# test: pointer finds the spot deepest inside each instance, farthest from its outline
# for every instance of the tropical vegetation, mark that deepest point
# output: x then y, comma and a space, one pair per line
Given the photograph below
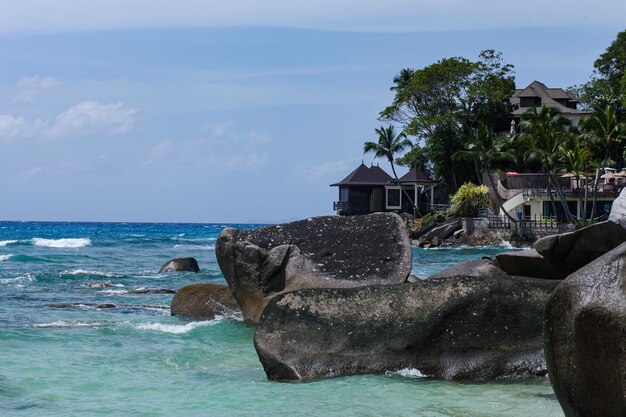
457, 113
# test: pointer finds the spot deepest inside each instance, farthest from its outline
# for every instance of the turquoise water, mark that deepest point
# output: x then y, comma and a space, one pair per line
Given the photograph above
138, 360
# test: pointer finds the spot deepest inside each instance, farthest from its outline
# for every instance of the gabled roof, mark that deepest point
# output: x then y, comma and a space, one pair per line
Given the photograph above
365, 175
548, 97
416, 176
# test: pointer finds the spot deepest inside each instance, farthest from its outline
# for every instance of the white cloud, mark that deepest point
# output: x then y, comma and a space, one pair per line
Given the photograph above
221, 148
331, 170
29, 87
158, 152
90, 117
367, 15
86, 118
28, 174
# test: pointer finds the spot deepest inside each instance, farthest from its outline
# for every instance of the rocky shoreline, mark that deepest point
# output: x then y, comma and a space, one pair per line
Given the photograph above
333, 296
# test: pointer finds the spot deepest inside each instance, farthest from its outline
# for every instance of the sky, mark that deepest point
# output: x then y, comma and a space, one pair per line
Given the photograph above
239, 111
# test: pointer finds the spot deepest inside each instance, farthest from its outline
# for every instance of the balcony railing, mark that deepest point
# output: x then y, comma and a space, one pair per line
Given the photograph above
340, 205
601, 192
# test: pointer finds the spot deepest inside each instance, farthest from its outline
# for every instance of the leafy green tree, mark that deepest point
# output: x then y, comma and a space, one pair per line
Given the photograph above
607, 86
388, 145
415, 158
441, 103
542, 133
487, 150
605, 131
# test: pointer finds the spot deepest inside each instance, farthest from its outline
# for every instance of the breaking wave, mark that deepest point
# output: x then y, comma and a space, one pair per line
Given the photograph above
411, 373
62, 243
5, 257
7, 242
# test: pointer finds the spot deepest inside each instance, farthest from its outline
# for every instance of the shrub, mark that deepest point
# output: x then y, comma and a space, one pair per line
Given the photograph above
435, 216
468, 199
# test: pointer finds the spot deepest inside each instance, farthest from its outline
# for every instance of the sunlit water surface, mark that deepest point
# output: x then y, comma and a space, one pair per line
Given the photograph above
139, 360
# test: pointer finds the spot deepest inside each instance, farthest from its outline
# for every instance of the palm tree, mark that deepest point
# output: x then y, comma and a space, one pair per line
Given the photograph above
605, 130
544, 132
577, 159
389, 144
487, 149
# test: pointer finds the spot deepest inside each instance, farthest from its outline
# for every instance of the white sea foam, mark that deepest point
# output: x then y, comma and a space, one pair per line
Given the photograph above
113, 292
5, 257
18, 280
7, 242
70, 323
408, 373
506, 244
88, 272
176, 328
62, 243
209, 247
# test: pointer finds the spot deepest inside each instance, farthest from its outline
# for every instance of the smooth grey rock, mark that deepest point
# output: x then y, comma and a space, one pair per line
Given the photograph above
470, 328
585, 338
416, 234
331, 251
204, 300
571, 251
472, 268
529, 263
618, 209
180, 264
444, 231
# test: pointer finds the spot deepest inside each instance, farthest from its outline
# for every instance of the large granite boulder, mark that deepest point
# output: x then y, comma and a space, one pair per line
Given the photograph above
585, 338
571, 251
471, 328
329, 252
443, 231
529, 263
180, 264
472, 268
205, 301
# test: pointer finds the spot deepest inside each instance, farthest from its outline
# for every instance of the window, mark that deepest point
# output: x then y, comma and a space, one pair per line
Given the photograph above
530, 102
394, 198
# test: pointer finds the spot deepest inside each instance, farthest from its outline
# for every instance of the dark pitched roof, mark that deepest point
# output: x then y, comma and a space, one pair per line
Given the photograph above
365, 175
415, 175
548, 97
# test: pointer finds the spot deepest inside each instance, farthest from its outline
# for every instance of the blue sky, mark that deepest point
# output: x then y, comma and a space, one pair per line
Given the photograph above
202, 112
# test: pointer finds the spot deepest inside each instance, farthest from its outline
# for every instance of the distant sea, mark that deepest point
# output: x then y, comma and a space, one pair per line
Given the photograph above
137, 360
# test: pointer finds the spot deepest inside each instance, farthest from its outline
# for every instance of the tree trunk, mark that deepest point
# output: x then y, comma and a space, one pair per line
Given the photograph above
478, 175
559, 193
595, 188
495, 191
549, 190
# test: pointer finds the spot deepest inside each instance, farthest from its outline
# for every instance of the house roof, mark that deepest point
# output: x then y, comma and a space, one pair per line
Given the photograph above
416, 176
364, 175
548, 97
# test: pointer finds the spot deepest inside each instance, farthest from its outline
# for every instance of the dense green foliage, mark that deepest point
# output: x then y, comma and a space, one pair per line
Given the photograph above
434, 216
439, 104
468, 199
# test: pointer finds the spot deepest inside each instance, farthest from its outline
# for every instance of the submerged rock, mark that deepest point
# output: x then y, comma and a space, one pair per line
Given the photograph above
585, 338
328, 252
204, 300
529, 263
472, 268
440, 233
471, 328
180, 264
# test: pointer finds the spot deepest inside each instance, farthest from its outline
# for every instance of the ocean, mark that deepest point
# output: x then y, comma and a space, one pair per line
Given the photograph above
138, 360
